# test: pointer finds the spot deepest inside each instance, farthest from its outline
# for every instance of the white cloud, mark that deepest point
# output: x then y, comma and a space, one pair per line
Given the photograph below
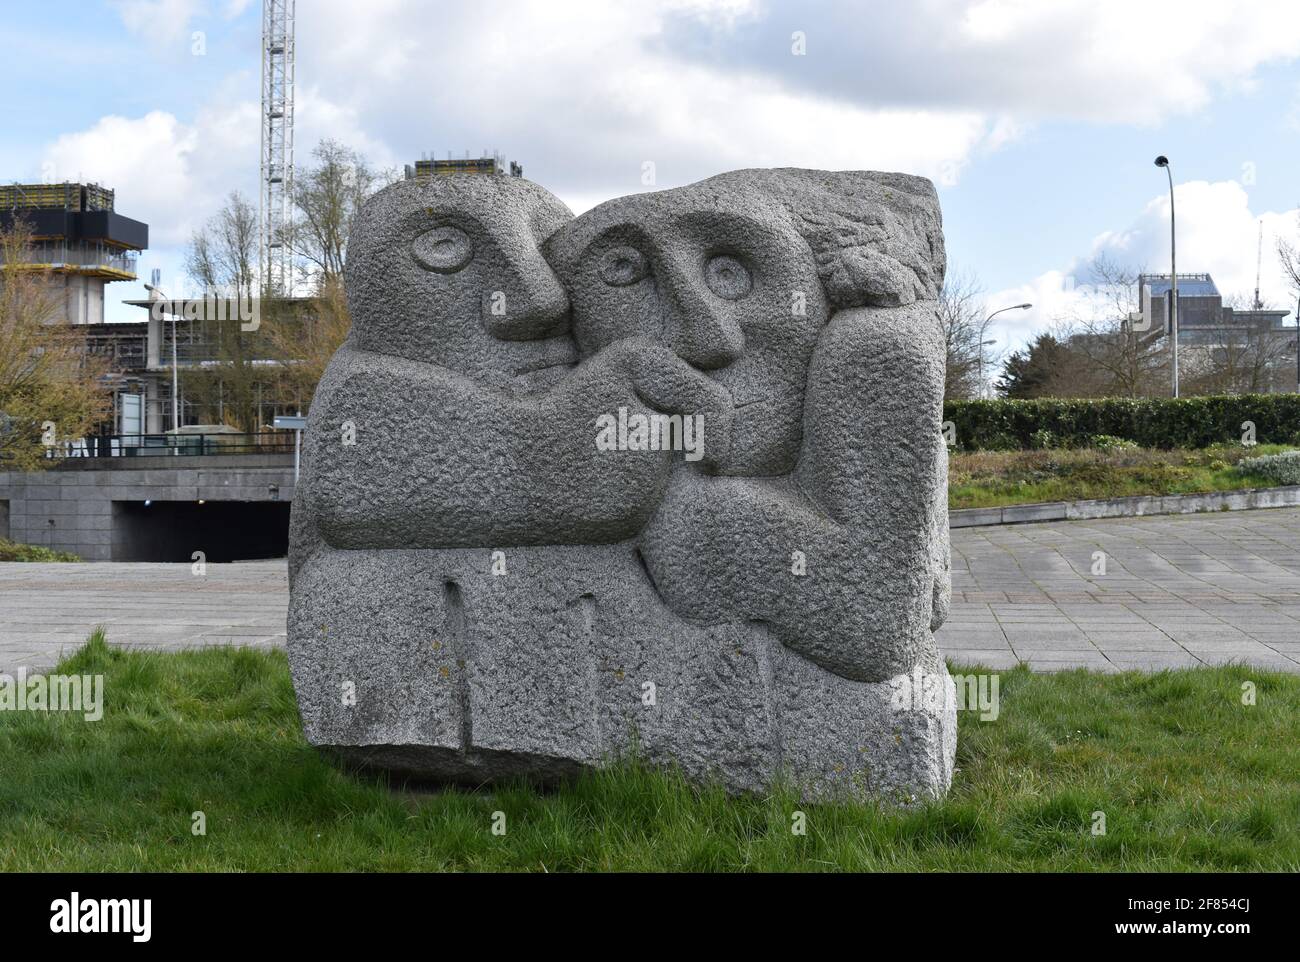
583, 93
165, 20
158, 20
318, 118
1107, 60
148, 160
1218, 234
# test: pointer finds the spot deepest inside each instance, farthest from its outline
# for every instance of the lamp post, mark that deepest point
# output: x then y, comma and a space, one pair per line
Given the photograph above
1163, 161
983, 387
984, 344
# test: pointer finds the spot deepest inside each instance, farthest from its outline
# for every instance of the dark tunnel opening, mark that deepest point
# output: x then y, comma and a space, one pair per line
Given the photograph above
222, 530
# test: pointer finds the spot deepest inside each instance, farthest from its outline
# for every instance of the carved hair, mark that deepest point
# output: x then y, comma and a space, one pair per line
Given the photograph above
876, 237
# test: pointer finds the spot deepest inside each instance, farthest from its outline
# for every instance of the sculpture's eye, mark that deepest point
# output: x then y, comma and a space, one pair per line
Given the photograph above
727, 277
444, 250
622, 266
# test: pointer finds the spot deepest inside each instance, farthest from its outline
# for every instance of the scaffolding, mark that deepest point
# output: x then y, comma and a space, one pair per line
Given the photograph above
74, 230
429, 167
65, 197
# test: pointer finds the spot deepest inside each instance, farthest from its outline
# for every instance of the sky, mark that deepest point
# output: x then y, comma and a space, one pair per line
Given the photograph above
1038, 120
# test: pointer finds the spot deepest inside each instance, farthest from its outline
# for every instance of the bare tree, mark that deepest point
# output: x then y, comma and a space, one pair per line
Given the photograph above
1116, 356
1288, 253
223, 253
1244, 357
327, 197
965, 328
302, 337
223, 259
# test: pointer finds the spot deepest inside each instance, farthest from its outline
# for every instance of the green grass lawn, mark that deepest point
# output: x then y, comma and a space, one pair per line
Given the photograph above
984, 479
1187, 776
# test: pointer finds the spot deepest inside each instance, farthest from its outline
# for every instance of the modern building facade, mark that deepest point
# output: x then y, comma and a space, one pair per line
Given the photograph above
1203, 318
1256, 342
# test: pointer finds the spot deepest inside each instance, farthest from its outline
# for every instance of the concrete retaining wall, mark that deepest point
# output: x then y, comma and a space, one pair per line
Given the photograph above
1282, 497
70, 508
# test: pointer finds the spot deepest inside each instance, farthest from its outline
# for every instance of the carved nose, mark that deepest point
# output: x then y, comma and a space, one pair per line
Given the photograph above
526, 303
696, 330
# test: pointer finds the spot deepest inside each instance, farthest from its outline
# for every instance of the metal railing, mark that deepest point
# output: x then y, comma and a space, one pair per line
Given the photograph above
84, 255
174, 445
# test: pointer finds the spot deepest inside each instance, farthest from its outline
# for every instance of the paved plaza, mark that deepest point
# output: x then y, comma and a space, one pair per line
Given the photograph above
1178, 590
1115, 594
46, 609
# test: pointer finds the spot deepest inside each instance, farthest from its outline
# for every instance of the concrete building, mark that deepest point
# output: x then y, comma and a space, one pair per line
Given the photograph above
1213, 336
1203, 318
134, 491
429, 166
147, 347
84, 244
79, 238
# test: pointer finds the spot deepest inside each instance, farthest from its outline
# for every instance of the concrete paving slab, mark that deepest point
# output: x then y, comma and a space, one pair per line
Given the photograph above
1180, 590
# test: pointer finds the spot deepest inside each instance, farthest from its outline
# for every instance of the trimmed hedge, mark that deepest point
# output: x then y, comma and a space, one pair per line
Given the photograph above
1192, 422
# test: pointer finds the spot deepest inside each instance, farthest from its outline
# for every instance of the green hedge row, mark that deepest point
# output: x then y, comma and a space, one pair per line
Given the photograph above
1193, 422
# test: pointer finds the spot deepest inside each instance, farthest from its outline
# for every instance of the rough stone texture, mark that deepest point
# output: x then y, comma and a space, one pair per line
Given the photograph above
479, 591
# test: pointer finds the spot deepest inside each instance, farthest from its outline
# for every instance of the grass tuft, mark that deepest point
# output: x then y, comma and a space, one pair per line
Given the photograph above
983, 479
1187, 777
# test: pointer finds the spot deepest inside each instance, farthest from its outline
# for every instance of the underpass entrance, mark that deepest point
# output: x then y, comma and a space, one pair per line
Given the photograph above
222, 530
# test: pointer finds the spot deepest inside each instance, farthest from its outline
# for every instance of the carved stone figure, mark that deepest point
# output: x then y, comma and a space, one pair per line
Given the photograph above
665, 477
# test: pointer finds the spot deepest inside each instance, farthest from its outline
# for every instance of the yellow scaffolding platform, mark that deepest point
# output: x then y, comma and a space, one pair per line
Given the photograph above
73, 197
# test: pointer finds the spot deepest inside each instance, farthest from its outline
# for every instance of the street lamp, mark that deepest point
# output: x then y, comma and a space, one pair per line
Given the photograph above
983, 387
1163, 161
984, 344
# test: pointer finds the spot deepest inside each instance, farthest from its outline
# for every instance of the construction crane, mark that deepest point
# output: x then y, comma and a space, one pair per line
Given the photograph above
1259, 264
277, 146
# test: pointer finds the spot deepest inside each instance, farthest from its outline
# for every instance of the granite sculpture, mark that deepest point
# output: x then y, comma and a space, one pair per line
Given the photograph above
666, 477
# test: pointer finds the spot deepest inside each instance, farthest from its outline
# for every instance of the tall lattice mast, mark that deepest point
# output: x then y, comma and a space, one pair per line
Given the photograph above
277, 145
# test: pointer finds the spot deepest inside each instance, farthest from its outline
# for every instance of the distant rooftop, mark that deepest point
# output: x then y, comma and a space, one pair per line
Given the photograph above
74, 230
1189, 285
65, 197
428, 167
